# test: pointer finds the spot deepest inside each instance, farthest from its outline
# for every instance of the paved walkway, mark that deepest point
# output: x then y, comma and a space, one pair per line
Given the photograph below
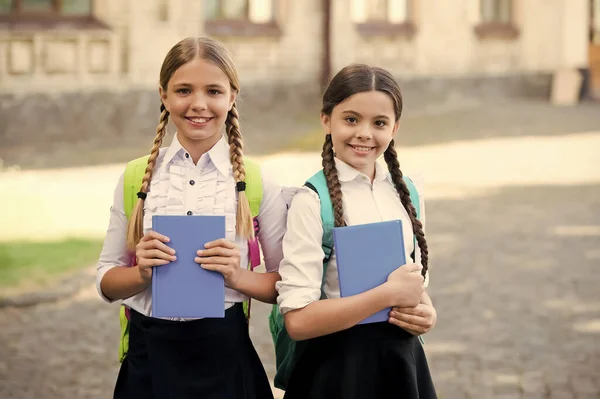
514, 232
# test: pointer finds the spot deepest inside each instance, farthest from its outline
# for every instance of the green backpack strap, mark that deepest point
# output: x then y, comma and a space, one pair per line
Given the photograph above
254, 186
318, 183
132, 182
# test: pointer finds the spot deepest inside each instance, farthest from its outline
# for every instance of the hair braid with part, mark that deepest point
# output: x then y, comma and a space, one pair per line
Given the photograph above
333, 183
244, 223
135, 228
391, 159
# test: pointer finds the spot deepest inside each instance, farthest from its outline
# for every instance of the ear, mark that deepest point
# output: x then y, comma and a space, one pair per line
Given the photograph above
396, 126
163, 98
232, 99
326, 123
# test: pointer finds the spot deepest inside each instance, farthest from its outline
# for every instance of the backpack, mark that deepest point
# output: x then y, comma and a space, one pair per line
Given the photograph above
288, 351
132, 182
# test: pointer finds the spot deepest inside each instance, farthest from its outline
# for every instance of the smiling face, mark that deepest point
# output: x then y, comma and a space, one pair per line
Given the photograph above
198, 97
361, 129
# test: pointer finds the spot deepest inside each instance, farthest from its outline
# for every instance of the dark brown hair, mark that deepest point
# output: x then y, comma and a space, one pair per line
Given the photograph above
357, 78
183, 52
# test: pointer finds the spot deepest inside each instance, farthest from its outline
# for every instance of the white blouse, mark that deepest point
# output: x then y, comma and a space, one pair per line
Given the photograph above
364, 202
179, 187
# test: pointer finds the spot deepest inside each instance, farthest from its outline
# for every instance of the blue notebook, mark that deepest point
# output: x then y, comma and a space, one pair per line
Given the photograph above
366, 254
182, 288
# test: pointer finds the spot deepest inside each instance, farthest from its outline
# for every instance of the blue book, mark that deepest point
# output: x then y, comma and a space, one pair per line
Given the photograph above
366, 254
183, 288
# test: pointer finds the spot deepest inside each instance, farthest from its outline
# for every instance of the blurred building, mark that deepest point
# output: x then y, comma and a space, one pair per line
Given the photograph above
66, 63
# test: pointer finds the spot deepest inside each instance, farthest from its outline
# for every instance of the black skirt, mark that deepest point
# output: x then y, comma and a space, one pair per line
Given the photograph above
370, 361
207, 358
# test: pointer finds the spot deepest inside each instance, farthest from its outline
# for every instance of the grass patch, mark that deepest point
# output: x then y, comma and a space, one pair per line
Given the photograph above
28, 265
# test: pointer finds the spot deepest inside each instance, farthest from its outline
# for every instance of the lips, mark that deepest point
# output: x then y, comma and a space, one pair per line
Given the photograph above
361, 149
198, 120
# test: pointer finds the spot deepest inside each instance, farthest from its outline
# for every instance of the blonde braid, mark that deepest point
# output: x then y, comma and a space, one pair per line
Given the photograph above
244, 223
135, 228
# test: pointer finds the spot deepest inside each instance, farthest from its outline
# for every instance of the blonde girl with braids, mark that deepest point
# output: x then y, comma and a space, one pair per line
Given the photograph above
200, 172
343, 359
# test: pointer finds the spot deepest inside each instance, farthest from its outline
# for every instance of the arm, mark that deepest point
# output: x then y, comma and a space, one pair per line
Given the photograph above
114, 280
302, 271
272, 222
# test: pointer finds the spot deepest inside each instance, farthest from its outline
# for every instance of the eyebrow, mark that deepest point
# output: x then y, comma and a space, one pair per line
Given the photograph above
359, 115
209, 86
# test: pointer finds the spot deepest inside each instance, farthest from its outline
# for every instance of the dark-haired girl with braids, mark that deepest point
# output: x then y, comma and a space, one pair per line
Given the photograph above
200, 172
342, 359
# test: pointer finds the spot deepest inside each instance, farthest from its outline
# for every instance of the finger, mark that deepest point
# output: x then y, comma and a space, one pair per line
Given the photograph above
405, 310
410, 319
158, 254
162, 247
153, 235
413, 267
221, 242
419, 310
217, 260
414, 330
217, 251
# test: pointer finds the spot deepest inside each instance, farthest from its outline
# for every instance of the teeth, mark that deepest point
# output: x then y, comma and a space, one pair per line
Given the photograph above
199, 120
362, 149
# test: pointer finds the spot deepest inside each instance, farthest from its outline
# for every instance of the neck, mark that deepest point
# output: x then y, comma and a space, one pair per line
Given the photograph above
196, 148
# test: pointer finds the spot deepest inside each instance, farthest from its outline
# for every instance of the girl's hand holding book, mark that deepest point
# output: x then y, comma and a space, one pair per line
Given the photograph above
418, 320
405, 286
151, 251
221, 256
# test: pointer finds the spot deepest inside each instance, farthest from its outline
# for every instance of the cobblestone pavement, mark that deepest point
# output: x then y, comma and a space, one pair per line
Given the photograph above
514, 280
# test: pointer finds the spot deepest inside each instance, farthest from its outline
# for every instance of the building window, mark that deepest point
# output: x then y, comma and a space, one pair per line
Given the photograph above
499, 11
240, 18
496, 19
383, 17
48, 8
226, 9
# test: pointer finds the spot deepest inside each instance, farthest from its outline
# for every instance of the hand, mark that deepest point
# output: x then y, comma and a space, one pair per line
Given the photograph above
151, 251
405, 286
221, 256
417, 320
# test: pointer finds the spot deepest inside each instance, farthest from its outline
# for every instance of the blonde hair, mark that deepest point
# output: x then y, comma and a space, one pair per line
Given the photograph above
183, 52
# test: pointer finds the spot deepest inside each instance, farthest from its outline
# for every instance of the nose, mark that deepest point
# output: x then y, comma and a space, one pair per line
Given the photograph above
364, 133
198, 101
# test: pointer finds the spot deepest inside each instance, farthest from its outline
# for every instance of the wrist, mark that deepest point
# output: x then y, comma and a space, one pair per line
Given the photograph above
385, 296
236, 277
143, 277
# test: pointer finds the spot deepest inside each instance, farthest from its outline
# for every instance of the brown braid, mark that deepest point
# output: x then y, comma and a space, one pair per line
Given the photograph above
135, 229
391, 158
333, 183
244, 224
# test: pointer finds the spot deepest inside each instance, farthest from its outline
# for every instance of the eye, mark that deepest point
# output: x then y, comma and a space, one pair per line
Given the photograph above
380, 123
214, 92
183, 90
351, 119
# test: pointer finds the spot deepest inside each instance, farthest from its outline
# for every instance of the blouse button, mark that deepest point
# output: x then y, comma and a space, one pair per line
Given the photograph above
187, 155
192, 182
189, 213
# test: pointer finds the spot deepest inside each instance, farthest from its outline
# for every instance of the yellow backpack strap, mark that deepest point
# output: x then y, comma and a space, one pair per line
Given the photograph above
254, 186
132, 182
254, 193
